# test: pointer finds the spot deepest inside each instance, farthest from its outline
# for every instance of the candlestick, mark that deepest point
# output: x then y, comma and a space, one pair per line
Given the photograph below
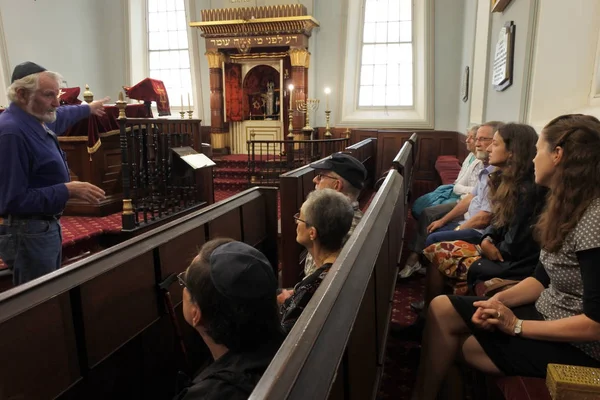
291, 89
189, 104
182, 101
327, 92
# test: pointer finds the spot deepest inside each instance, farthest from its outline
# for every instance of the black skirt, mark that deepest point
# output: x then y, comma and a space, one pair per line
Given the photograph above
515, 355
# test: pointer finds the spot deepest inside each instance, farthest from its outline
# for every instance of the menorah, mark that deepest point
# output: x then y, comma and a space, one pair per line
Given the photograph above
306, 107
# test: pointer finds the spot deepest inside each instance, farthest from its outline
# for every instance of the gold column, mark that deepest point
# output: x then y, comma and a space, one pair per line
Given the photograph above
300, 60
217, 122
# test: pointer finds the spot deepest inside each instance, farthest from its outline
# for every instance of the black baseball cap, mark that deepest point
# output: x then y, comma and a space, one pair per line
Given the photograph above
345, 166
240, 272
24, 69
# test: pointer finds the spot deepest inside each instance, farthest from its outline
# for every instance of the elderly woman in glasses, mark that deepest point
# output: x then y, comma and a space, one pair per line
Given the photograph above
321, 225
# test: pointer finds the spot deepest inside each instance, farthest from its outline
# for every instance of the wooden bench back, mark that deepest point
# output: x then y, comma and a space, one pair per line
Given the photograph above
98, 328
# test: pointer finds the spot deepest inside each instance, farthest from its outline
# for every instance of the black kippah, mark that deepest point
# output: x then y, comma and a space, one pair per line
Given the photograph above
240, 272
24, 69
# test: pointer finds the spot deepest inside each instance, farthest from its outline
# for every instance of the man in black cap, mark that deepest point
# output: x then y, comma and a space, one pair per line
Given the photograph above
345, 174
35, 186
229, 299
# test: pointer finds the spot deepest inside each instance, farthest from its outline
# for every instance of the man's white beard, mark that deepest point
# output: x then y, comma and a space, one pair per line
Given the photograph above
481, 155
48, 117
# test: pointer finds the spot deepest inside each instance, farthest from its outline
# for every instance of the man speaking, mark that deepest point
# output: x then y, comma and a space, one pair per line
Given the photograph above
34, 177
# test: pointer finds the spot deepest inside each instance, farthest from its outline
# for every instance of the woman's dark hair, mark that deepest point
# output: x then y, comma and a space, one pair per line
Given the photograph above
331, 214
516, 176
238, 325
575, 182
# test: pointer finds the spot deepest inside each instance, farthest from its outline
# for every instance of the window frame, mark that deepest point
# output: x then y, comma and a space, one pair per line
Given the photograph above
420, 115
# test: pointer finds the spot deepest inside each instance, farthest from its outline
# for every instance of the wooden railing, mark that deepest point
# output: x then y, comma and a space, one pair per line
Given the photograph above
267, 159
153, 189
99, 328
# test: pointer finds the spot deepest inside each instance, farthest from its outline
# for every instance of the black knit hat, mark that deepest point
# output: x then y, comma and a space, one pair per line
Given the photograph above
240, 272
345, 166
24, 69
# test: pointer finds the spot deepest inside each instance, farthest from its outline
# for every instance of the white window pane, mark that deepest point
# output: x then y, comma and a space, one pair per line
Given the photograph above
183, 39
154, 60
393, 32
392, 74
176, 77
365, 97
174, 59
406, 31
405, 75
174, 96
369, 32
380, 75
164, 60
165, 75
152, 5
405, 10
171, 5
394, 10
181, 22
371, 11
368, 53
162, 5
382, 10
379, 95
186, 79
153, 40
172, 21
184, 59
406, 96
405, 53
173, 40
381, 32
162, 22
392, 95
153, 22
393, 53
381, 53
179, 5
366, 75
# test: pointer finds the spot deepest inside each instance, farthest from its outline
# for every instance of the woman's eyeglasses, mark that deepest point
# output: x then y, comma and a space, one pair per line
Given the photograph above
181, 279
297, 218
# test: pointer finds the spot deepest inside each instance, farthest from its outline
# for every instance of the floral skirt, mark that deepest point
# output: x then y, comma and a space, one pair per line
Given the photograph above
453, 260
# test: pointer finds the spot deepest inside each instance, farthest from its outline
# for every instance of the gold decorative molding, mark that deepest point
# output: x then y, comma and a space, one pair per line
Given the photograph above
253, 56
299, 57
215, 59
218, 140
226, 14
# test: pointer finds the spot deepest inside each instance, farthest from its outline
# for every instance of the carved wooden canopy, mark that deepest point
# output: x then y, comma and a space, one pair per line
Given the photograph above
270, 26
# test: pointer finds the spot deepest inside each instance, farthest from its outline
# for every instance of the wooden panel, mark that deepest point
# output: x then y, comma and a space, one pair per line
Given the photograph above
39, 355
228, 225
117, 305
382, 296
362, 349
388, 145
307, 186
254, 222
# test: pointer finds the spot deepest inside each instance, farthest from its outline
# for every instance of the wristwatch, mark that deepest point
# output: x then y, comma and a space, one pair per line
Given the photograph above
457, 228
489, 239
518, 327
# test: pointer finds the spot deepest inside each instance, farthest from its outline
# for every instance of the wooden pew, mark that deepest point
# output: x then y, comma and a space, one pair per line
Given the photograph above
336, 348
294, 186
98, 328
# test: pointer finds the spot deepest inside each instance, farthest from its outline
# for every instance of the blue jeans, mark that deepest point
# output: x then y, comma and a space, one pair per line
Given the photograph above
447, 234
30, 248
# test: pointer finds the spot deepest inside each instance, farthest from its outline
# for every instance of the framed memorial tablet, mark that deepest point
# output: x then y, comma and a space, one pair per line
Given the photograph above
502, 69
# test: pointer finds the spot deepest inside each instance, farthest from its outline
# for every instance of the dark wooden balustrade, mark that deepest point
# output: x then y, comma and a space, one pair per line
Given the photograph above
267, 159
98, 328
153, 189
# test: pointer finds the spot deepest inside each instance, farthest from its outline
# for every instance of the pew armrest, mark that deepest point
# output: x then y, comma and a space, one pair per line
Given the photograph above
568, 382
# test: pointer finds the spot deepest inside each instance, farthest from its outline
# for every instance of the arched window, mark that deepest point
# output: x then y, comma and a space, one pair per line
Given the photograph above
168, 49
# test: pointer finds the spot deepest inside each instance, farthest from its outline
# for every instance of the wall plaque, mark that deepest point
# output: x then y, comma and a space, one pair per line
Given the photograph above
502, 70
464, 89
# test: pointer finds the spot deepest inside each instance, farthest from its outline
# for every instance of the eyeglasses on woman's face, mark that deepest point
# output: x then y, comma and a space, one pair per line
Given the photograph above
298, 219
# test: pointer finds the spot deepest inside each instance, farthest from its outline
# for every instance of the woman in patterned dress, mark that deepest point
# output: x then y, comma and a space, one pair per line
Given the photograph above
321, 226
553, 316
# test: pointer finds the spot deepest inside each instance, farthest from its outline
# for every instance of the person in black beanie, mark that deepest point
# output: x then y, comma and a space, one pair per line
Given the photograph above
229, 299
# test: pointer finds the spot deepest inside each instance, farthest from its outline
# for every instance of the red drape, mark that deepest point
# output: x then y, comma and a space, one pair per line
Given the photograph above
233, 91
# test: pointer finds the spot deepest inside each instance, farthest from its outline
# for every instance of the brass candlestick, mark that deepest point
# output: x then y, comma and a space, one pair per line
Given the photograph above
182, 114
327, 131
290, 135
305, 107
190, 112
347, 133
121, 104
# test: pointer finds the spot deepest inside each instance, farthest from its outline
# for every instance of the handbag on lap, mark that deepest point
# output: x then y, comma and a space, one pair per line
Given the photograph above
453, 260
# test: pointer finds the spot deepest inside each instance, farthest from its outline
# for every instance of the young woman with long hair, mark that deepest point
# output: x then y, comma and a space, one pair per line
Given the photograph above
554, 316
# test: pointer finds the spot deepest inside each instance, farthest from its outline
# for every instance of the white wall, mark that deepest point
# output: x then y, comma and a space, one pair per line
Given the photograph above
467, 57
81, 39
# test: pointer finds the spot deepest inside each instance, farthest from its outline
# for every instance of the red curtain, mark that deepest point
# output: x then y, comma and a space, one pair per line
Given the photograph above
233, 91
